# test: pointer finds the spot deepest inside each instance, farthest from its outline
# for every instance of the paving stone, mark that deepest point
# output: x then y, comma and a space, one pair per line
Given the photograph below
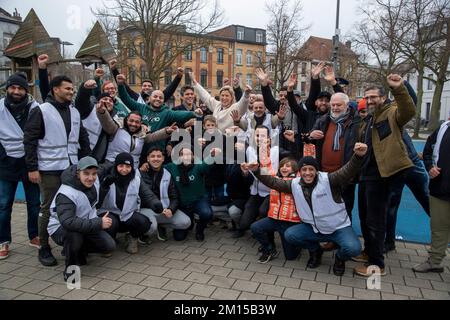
407, 291
243, 285
155, 270
440, 286
328, 278
177, 285
129, 290
230, 248
197, 267
419, 283
81, 294
219, 271
264, 278
280, 271
233, 255
28, 296
429, 276
201, 290
296, 294
153, 294
111, 274
24, 271
390, 296
241, 274
216, 261
196, 258
365, 294
270, 290
288, 282
176, 274
258, 267
178, 296
176, 264
322, 296
198, 277
105, 296
251, 296
358, 282
222, 282
133, 277
225, 294
313, 286
106, 285
435, 295
302, 274
233, 264
35, 286
9, 294
134, 267
339, 290
55, 291
14, 282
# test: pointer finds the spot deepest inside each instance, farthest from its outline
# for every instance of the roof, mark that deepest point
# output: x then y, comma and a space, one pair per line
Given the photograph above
31, 39
96, 46
322, 49
7, 17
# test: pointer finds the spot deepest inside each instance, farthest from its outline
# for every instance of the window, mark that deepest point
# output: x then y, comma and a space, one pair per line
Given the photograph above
167, 76
131, 52
132, 76
203, 55
260, 57
249, 80
219, 78
430, 82
303, 69
240, 33
427, 115
168, 50
220, 56
144, 73
142, 49
259, 36
204, 78
188, 53
187, 78
249, 58
303, 88
7, 37
349, 69
271, 65
239, 57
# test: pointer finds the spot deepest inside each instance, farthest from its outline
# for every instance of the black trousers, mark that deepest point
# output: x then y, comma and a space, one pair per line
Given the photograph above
137, 225
348, 195
255, 207
373, 203
77, 245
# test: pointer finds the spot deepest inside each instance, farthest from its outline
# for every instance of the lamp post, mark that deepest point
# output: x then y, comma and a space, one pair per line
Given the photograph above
65, 43
336, 37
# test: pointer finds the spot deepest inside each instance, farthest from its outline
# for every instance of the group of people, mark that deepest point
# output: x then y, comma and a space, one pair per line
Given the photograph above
111, 160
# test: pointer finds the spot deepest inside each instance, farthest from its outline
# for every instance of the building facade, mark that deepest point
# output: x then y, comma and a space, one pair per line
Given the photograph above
233, 51
9, 24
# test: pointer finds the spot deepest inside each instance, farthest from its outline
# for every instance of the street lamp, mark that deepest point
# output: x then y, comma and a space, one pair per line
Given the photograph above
336, 37
65, 43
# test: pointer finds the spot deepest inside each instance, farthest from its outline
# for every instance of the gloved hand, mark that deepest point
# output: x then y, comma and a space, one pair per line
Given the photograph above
107, 181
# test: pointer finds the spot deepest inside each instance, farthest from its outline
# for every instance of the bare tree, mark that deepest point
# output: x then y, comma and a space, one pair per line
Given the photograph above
166, 29
378, 35
285, 36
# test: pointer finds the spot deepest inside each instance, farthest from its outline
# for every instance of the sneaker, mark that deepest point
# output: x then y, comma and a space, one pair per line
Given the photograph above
162, 233
363, 257
338, 267
268, 256
46, 257
132, 246
315, 259
389, 247
199, 236
144, 240
35, 242
367, 270
4, 250
428, 266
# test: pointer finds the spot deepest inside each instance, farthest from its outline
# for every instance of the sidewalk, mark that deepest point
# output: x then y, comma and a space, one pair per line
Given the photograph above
219, 268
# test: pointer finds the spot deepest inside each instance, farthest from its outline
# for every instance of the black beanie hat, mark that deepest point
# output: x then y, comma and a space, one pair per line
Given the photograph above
18, 79
309, 161
124, 158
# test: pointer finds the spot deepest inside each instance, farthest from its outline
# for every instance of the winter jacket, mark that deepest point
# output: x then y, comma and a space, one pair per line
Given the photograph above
35, 130
439, 186
238, 186
153, 180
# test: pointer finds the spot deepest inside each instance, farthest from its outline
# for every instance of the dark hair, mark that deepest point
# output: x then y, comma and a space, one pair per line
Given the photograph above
155, 148
284, 88
185, 88
58, 80
147, 80
290, 160
137, 113
380, 89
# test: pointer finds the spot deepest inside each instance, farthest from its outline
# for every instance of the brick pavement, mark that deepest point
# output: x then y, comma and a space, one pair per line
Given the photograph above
219, 268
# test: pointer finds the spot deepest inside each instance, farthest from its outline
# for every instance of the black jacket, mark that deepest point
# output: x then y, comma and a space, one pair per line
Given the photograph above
439, 186
238, 186
148, 198
153, 179
66, 209
14, 169
351, 135
35, 130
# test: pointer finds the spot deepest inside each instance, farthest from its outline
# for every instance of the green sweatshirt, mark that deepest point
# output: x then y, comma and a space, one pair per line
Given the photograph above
154, 118
195, 190
120, 108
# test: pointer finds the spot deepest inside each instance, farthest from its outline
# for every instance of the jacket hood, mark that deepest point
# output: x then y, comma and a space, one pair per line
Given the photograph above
69, 178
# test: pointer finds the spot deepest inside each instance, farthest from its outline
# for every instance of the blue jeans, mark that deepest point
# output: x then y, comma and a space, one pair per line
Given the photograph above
217, 195
262, 227
7, 195
417, 180
303, 235
203, 208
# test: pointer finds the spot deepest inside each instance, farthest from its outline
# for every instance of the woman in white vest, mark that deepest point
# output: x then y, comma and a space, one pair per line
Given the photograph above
74, 223
128, 135
260, 151
161, 183
319, 204
122, 195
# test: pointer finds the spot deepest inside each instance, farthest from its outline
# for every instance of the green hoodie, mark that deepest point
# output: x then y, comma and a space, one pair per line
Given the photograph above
154, 118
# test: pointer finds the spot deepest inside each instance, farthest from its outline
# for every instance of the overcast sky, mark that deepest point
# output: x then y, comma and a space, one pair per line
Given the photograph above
56, 16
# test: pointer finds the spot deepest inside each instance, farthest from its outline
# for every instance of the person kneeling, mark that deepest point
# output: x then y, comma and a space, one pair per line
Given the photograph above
281, 216
122, 193
319, 204
74, 223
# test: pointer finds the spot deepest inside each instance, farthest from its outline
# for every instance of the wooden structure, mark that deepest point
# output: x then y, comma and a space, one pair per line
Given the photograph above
30, 41
96, 48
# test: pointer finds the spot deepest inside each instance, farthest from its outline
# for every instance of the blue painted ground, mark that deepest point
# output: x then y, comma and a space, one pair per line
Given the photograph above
412, 223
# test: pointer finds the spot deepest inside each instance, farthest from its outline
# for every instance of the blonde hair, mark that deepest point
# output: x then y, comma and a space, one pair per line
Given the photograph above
210, 118
229, 89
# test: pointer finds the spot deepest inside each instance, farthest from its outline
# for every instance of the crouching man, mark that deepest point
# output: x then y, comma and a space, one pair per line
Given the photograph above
74, 223
319, 204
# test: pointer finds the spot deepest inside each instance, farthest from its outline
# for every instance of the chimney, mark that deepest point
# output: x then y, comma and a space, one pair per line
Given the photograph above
348, 44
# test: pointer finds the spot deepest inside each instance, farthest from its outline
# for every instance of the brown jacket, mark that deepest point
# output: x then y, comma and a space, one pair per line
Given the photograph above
387, 143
